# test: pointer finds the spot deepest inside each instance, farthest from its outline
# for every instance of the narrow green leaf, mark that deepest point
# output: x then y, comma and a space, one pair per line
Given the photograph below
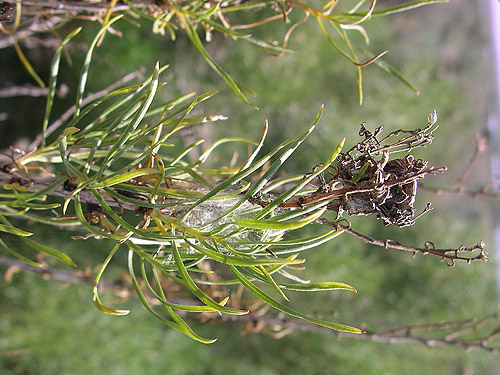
318, 287
36, 206
63, 146
134, 92
54, 72
239, 261
240, 175
287, 310
134, 123
273, 283
250, 160
73, 194
217, 26
90, 228
160, 296
403, 7
50, 251
86, 65
138, 11
159, 180
13, 230
202, 296
142, 203
360, 84
306, 180
195, 39
203, 157
184, 328
361, 173
27, 65
291, 146
209, 12
170, 310
280, 225
247, 37
19, 256
95, 291
392, 71
184, 152
332, 42
125, 177
246, 5
125, 224
298, 246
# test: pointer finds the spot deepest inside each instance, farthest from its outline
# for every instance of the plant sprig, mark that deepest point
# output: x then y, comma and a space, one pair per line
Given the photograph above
195, 18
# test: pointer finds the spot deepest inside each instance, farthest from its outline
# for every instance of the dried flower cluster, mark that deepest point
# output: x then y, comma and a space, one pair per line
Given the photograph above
366, 181
375, 183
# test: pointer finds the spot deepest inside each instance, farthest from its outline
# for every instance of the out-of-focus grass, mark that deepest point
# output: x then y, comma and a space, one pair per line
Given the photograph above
47, 332
438, 49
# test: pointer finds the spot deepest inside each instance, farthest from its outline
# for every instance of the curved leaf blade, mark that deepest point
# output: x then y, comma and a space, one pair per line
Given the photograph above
287, 310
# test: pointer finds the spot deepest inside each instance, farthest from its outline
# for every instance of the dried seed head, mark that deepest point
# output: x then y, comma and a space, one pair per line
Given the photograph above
387, 188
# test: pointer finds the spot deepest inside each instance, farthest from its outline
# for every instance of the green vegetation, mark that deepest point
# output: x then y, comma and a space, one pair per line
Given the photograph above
52, 327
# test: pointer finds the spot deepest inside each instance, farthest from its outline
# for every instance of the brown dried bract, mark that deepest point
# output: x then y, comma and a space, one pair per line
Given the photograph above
375, 184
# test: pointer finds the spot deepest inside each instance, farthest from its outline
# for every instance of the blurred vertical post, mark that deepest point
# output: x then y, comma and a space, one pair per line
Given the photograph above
492, 8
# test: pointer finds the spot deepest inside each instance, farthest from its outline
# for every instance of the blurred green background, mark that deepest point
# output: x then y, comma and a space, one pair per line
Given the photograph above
49, 327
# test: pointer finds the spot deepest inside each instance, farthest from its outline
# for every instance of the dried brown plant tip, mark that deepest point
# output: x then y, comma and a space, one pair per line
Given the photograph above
366, 181
387, 188
373, 183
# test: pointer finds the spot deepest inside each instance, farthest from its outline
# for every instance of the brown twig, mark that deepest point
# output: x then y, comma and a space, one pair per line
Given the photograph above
452, 255
458, 187
30, 90
481, 146
474, 327
34, 185
322, 196
76, 7
35, 27
474, 194
75, 277
279, 323
429, 248
279, 326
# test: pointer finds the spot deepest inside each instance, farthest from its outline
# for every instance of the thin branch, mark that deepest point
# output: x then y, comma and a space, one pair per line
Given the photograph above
38, 25
473, 327
278, 326
474, 194
75, 277
481, 146
35, 185
458, 188
30, 90
429, 248
79, 7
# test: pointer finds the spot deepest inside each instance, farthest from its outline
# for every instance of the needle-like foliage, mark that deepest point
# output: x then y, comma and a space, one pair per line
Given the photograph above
114, 171
200, 20
113, 166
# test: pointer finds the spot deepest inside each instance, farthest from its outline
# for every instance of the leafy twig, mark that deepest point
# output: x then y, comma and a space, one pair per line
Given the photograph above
88, 99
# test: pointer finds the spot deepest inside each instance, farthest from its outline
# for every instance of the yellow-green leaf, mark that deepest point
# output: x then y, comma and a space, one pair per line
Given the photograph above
280, 225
